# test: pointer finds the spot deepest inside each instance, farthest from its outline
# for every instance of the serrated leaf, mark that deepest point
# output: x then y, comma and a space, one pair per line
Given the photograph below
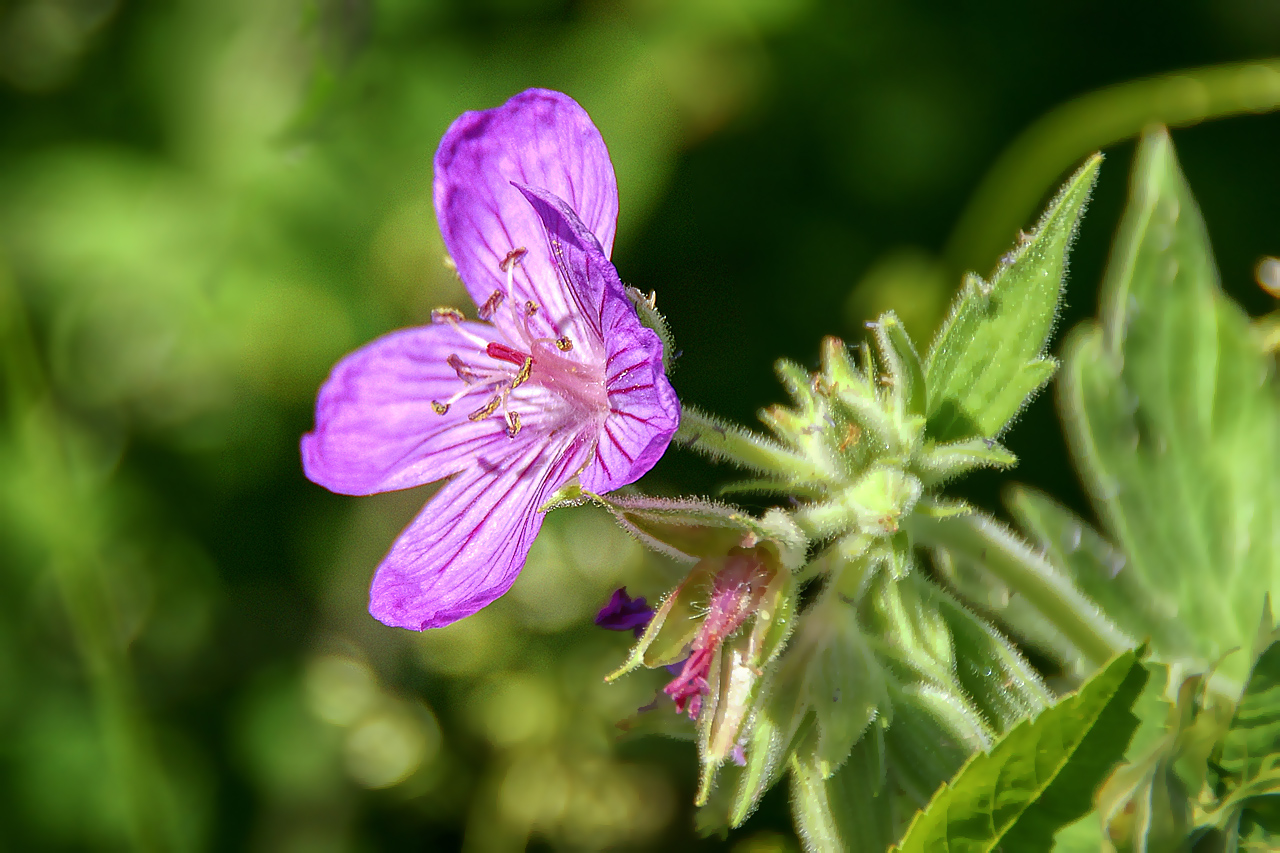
1040, 776
1173, 419
988, 358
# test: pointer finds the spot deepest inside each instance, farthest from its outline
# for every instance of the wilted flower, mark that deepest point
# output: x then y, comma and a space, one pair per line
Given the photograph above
736, 593
558, 380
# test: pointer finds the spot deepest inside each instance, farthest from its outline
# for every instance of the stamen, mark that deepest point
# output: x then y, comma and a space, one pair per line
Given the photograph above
563, 343
513, 424
491, 305
513, 257
502, 352
530, 308
447, 315
487, 409
464, 371
439, 408
522, 375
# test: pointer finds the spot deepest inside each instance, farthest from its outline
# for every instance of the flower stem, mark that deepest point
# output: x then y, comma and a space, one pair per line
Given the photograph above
988, 543
723, 441
1033, 163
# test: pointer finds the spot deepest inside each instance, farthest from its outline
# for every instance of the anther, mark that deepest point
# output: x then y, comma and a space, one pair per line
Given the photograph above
563, 343
447, 315
513, 257
491, 305
522, 375
439, 408
487, 409
465, 373
513, 424
530, 308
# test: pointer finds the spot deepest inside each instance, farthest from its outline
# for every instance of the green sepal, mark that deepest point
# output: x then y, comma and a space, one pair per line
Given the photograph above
686, 529
906, 373
782, 537
874, 504
855, 397
736, 675
987, 359
767, 750
935, 506
673, 625
939, 463
646, 306
921, 639
570, 494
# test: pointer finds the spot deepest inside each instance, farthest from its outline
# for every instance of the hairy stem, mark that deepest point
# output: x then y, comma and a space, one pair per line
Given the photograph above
1033, 163
727, 443
991, 545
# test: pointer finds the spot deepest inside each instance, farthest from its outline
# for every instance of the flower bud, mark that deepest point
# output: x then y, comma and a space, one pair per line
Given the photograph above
723, 624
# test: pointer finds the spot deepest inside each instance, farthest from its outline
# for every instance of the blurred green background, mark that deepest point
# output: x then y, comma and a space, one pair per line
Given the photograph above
204, 204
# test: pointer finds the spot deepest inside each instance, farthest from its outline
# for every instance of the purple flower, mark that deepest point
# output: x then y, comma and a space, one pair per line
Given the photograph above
557, 380
624, 613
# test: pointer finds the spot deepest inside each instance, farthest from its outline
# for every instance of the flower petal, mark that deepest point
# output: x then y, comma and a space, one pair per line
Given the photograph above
644, 409
539, 138
376, 430
470, 541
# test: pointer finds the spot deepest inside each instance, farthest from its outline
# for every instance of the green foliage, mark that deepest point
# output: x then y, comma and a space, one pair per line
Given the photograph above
1252, 744
1100, 570
845, 811
1040, 776
988, 358
1174, 422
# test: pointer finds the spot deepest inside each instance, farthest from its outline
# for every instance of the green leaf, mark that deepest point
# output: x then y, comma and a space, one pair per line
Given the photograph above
1172, 415
1252, 743
1040, 776
988, 358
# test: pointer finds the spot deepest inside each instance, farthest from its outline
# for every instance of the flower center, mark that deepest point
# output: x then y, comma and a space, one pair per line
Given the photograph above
497, 368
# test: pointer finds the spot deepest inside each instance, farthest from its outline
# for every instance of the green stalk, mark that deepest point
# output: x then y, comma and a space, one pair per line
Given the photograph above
1029, 575
1013, 188
66, 507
